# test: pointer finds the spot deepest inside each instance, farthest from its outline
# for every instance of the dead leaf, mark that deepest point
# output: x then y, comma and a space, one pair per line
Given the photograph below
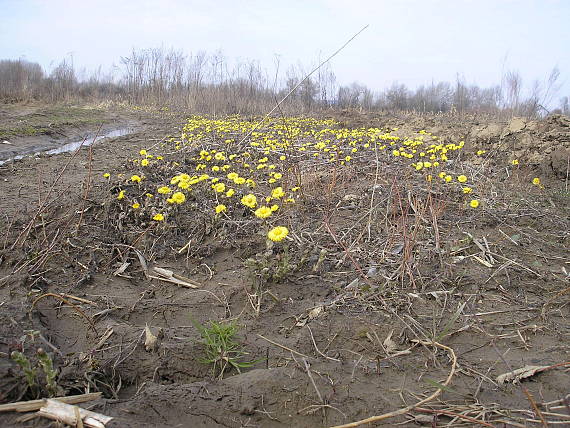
516, 375
315, 312
389, 345
121, 269
150, 341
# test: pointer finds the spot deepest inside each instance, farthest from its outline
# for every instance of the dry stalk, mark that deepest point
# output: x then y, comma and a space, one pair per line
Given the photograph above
67, 302
419, 403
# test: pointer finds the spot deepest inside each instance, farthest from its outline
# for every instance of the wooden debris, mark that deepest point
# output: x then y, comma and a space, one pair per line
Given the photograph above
30, 406
169, 276
516, 375
73, 415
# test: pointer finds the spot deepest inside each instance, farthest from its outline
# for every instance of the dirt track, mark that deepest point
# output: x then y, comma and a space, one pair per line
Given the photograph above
360, 345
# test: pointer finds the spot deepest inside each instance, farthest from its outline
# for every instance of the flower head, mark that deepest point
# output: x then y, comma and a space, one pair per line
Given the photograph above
158, 217
263, 212
178, 197
278, 233
121, 195
462, 179
474, 203
164, 190
219, 187
277, 192
221, 208
136, 179
536, 181
249, 200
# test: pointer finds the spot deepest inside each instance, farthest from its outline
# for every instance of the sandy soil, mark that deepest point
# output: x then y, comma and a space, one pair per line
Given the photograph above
330, 345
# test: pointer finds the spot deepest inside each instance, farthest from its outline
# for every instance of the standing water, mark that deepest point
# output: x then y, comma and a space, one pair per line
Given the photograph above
70, 147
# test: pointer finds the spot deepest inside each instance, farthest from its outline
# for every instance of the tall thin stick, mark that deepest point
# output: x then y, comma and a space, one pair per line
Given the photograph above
300, 83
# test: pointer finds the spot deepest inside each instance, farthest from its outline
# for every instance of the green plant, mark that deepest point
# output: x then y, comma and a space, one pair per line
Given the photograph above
223, 351
29, 371
46, 364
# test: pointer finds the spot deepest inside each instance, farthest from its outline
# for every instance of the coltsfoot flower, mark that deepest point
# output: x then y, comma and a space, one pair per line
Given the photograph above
249, 200
278, 233
263, 212
178, 198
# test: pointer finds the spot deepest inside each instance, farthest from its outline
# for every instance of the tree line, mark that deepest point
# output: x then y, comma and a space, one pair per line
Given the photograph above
209, 83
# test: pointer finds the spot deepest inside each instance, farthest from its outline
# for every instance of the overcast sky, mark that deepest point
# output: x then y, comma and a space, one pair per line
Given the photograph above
409, 41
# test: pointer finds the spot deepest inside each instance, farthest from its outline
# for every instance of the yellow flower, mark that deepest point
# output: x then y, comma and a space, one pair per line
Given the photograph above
467, 190
249, 200
277, 176
107, 175
164, 190
239, 180
219, 187
158, 217
136, 206
143, 152
480, 152
536, 181
515, 162
263, 212
474, 203
282, 157
230, 193
277, 192
121, 195
232, 176
136, 179
274, 207
278, 233
462, 179
220, 208
149, 195
178, 197
448, 178
144, 162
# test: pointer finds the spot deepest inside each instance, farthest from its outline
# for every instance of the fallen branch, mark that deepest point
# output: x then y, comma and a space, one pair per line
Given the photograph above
73, 415
32, 405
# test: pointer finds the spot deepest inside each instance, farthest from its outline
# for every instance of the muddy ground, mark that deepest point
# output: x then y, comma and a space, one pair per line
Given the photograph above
334, 342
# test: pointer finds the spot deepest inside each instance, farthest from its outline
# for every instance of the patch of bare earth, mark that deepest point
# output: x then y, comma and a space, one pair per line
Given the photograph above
399, 292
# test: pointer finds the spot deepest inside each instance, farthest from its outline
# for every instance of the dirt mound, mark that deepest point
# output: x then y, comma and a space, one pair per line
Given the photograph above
542, 145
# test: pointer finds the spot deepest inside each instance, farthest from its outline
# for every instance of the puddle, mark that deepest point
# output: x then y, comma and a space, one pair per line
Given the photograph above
70, 147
